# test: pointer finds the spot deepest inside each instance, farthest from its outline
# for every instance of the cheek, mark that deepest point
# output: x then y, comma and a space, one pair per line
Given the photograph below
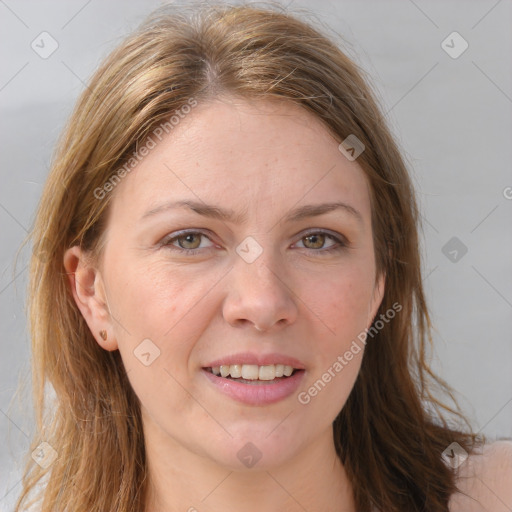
330, 384
343, 304
141, 302
339, 351
156, 325
169, 308
152, 298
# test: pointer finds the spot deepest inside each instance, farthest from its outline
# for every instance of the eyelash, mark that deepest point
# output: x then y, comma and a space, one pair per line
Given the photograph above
339, 246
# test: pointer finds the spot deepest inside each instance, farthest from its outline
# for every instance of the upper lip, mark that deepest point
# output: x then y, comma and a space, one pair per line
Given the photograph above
258, 359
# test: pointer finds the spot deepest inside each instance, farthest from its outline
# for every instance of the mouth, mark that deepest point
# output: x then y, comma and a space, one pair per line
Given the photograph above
254, 385
254, 374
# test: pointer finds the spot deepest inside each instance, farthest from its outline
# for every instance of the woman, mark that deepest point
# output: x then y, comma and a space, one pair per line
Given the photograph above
226, 292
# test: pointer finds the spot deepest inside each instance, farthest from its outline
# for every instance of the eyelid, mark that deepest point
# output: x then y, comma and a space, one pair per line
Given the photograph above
166, 241
334, 234
341, 241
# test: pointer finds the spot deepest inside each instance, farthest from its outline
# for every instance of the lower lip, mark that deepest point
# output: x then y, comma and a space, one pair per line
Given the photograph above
256, 394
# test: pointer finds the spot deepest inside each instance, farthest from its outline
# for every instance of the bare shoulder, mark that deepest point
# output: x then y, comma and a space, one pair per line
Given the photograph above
484, 480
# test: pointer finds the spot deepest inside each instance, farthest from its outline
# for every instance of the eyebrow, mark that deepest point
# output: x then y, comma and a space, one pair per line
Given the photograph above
226, 215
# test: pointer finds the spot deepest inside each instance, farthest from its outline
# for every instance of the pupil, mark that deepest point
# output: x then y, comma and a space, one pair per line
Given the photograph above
187, 238
314, 237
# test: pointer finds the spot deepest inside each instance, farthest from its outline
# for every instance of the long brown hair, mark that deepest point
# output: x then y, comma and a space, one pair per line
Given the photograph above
393, 429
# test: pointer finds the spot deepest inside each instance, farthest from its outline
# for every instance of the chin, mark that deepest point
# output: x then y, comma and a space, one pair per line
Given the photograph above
258, 452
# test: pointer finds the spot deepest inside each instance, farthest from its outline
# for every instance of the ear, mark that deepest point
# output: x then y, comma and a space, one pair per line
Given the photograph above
88, 291
377, 296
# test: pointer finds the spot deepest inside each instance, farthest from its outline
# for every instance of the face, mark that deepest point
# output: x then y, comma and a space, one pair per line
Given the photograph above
185, 287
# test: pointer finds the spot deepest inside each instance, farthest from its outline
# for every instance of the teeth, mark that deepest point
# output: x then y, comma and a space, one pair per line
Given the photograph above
253, 371
249, 371
235, 370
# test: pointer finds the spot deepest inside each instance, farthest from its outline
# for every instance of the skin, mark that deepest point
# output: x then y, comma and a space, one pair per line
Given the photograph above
484, 480
264, 159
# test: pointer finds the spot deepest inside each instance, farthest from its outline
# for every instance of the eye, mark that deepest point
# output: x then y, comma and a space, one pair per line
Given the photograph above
316, 239
187, 242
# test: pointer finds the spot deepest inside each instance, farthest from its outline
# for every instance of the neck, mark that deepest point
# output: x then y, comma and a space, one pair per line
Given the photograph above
181, 480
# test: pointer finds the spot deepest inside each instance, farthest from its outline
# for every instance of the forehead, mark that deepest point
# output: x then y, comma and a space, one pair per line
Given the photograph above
262, 154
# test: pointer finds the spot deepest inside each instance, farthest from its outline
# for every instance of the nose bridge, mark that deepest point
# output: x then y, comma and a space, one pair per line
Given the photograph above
258, 264
259, 292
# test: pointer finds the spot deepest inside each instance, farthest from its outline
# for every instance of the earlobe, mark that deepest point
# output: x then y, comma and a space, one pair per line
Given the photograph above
86, 287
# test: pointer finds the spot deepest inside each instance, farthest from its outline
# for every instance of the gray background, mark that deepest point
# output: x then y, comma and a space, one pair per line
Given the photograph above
452, 118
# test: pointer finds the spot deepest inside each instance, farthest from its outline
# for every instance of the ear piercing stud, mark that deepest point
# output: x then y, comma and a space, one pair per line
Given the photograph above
103, 334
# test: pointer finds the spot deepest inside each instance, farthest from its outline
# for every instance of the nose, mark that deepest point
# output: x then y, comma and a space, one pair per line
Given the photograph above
260, 295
